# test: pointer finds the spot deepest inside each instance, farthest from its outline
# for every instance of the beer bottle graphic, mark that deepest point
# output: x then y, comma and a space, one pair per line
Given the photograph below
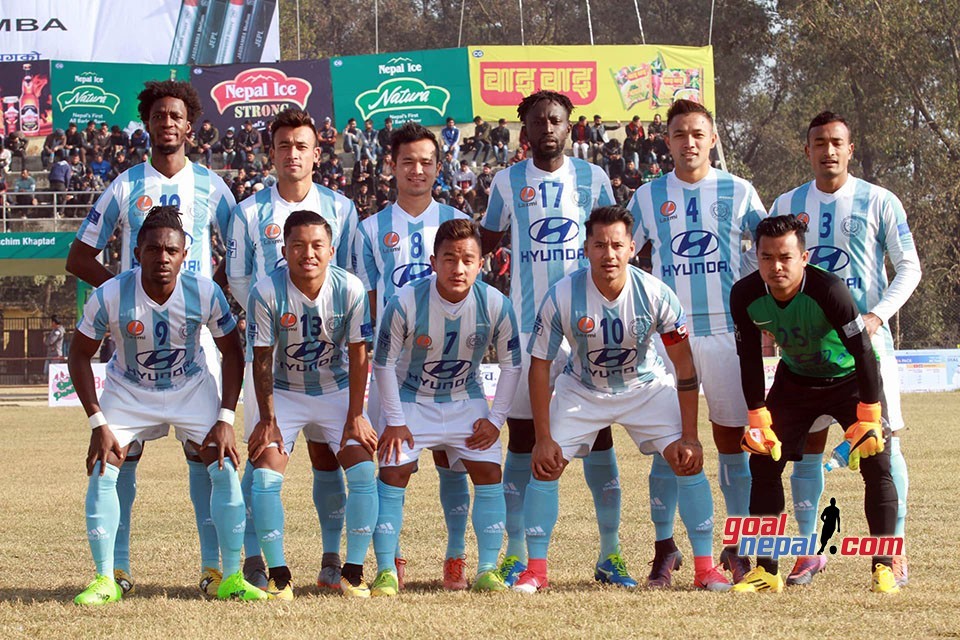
29, 104
11, 113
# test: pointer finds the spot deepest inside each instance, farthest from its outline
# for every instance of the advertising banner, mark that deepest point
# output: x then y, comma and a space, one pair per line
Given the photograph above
232, 94
25, 92
615, 82
418, 86
60, 389
38, 245
155, 32
104, 92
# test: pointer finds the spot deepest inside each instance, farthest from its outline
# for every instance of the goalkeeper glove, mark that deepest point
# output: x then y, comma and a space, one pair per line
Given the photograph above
759, 437
865, 435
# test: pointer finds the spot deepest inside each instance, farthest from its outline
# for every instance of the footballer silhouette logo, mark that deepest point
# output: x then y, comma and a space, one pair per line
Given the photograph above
288, 320
272, 231
391, 239
135, 328
586, 324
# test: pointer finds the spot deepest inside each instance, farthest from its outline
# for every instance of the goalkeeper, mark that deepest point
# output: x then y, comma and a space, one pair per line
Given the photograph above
827, 366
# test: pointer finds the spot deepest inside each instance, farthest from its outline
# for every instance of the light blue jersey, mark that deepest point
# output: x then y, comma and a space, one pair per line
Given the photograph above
256, 233
545, 213
309, 337
158, 345
437, 350
848, 233
697, 233
612, 349
200, 194
393, 248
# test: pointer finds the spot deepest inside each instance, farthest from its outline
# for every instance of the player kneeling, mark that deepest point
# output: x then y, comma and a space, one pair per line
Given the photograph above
156, 378
309, 325
432, 339
608, 313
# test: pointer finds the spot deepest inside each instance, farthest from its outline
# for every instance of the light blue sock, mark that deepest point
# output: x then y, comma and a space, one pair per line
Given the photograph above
455, 500
541, 504
516, 476
227, 508
663, 497
200, 488
603, 478
735, 482
103, 517
126, 493
898, 469
363, 507
696, 511
806, 485
389, 522
489, 522
251, 546
330, 498
268, 508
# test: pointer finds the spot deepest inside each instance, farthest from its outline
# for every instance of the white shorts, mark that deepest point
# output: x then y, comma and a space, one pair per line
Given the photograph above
718, 368
135, 414
650, 414
521, 400
321, 418
445, 426
211, 353
251, 410
890, 374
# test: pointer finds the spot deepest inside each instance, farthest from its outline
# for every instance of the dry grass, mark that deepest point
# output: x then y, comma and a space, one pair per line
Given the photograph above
44, 558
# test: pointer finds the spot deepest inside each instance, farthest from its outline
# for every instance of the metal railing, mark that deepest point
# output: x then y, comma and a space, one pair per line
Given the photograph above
53, 211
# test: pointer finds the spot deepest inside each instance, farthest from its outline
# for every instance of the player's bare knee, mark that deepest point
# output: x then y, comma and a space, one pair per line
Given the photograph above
727, 438
322, 456
353, 454
816, 442
521, 436
604, 441
482, 473
440, 459
397, 476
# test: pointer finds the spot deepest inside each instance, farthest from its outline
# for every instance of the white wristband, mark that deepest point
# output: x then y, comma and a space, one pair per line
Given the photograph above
226, 415
97, 420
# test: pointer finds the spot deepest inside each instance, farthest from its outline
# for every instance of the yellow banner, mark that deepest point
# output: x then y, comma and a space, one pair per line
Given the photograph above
615, 82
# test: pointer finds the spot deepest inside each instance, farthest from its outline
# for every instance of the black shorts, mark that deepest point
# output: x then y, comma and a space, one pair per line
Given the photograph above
795, 402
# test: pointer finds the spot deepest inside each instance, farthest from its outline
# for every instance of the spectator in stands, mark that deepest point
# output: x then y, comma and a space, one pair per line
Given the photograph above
657, 127
460, 202
25, 187
632, 145
327, 137
119, 141
77, 168
228, 147
73, 141
450, 139
6, 158
364, 201
119, 165
100, 167
386, 171
351, 140
252, 165
364, 173
484, 181
599, 137
652, 173
53, 342
660, 148
448, 169
440, 194
632, 177
333, 170
385, 195
240, 191
621, 193
102, 140
580, 134
17, 144
368, 140
635, 128
465, 182
248, 140
89, 134
500, 140
140, 144
52, 144
267, 179
207, 138
481, 140
384, 141
60, 173
612, 157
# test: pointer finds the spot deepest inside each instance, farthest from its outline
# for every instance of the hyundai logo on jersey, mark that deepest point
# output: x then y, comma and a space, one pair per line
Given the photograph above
612, 358
829, 258
410, 272
161, 358
694, 244
554, 230
446, 369
308, 351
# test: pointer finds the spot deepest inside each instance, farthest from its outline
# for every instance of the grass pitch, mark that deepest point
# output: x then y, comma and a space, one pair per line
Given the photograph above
45, 560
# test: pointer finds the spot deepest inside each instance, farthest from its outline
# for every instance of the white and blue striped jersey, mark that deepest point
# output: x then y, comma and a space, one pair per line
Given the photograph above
393, 247
848, 233
309, 337
697, 233
158, 345
200, 194
545, 213
437, 352
611, 341
255, 235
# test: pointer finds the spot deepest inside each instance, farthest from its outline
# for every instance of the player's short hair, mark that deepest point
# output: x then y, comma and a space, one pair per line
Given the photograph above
161, 217
413, 132
825, 118
456, 229
683, 107
543, 96
293, 118
609, 215
305, 218
779, 226
154, 90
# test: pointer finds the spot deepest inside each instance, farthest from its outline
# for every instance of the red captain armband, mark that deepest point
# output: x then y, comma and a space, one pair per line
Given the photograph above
676, 336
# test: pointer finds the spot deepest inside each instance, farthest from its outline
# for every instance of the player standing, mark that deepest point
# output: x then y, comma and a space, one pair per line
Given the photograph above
433, 337
827, 366
392, 249
608, 312
694, 217
156, 378
254, 250
544, 202
309, 326
855, 226
168, 110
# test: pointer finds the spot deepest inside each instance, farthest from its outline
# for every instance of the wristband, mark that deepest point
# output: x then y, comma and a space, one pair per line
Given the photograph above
868, 412
226, 415
97, 420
